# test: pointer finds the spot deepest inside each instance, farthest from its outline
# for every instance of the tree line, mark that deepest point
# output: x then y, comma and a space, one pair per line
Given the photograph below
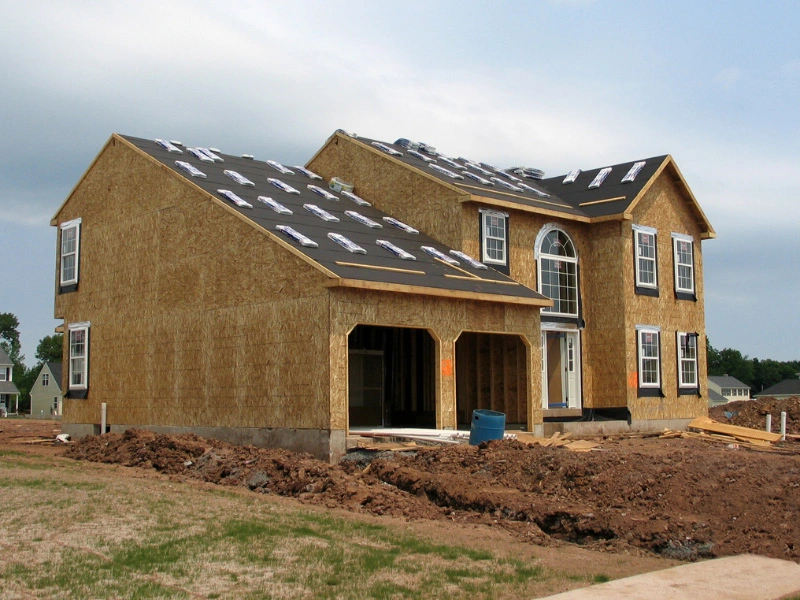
755, 373
49, 349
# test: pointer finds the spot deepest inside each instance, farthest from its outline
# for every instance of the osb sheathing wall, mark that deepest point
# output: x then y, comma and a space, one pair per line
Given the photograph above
197, 318
392, 186
665, 208
445, 319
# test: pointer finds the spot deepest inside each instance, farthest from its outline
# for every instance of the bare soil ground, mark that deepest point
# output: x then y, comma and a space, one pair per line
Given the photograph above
753, 413
681, 499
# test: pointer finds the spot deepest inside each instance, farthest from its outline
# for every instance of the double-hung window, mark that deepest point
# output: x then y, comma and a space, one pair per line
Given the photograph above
648, 348
683, 255
78, 360
494, 238
70, 251
644, 241
45, 378
687, 363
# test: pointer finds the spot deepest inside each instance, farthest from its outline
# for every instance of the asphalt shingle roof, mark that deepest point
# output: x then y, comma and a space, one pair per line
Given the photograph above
727, 381
787, 387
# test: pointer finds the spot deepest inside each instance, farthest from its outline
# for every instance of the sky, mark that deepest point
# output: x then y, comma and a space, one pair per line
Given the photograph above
554, 84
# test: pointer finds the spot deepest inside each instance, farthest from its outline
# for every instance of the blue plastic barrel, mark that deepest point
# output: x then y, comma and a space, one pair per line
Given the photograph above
486, 425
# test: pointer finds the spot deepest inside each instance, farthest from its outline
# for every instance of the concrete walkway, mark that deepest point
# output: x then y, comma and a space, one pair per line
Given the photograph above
744, 577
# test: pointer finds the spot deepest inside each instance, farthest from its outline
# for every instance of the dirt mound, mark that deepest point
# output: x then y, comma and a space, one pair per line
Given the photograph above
679, 498
753, 413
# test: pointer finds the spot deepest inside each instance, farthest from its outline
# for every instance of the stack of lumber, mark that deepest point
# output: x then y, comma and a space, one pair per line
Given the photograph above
713, 431
557, 440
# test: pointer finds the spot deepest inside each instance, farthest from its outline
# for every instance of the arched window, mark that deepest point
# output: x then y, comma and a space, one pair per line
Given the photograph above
558, 272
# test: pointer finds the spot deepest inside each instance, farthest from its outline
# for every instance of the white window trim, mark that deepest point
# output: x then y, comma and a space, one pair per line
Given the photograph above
485, 236
676, 237
82, 326
637, 229
76, 223
681, 383
538, 255
642, 329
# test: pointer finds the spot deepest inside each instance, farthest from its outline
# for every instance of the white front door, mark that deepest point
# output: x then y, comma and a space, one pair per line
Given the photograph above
560, 369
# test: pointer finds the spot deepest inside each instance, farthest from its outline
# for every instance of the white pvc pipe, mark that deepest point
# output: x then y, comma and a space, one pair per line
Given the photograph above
769, 423
783, 426
103, 413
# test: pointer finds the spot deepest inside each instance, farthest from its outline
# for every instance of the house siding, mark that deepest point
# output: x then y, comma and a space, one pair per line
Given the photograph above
200, 320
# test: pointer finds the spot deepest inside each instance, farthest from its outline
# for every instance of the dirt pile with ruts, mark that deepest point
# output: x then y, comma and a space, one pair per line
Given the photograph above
680, 498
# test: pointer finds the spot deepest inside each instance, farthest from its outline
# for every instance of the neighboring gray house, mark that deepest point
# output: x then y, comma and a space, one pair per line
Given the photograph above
46, 391
781, 390
730, 388
715, 398
9, 394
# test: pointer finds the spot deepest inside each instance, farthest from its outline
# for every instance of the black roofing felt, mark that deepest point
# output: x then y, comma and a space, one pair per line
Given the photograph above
572, 199
328, 253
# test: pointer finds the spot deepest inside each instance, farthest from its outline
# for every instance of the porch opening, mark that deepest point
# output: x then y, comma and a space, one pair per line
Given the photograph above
491, 374
392, 377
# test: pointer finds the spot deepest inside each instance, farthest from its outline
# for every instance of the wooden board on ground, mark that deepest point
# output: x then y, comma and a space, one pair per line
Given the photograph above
706, 424
581, 446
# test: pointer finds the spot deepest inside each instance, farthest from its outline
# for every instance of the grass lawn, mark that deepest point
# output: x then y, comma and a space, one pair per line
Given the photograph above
73, 529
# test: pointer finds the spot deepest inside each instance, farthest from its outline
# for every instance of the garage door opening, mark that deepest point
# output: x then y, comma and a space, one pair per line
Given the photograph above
491, 374
392, 377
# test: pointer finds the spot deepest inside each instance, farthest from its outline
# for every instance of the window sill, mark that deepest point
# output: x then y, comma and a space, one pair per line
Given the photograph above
646, 291
650, 393
686, 296
77, 394
688, 392
66, 289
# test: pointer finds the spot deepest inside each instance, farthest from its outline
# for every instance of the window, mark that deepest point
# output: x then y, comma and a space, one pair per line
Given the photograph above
70, 248
45, 378
55, 403
494, 238
683, 253
3, 375
78, 360
649, 353
644, 241
687, 362
558, 273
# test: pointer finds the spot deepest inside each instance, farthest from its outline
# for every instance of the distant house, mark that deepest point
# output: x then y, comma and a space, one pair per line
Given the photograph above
46, 391
784, 389
9, 394
715, 398
730, 388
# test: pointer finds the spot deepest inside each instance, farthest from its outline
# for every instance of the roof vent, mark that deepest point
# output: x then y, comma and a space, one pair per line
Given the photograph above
407, 144
388, 149
282, 186
400, 225
357, 199
191, 169
477, 178
468, 259
427, 149
199, 154
363, 220
450, 162
308, 173
571, 176
297, 236
346, 243
599, 178
633, 172
235, 199
444, 171
239, 178
505, 184
396, 250
321, 192
339, 185
211, 154
274, 205
528, 172
321, 213
420, 155
440, 255
168, 146
279, 167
